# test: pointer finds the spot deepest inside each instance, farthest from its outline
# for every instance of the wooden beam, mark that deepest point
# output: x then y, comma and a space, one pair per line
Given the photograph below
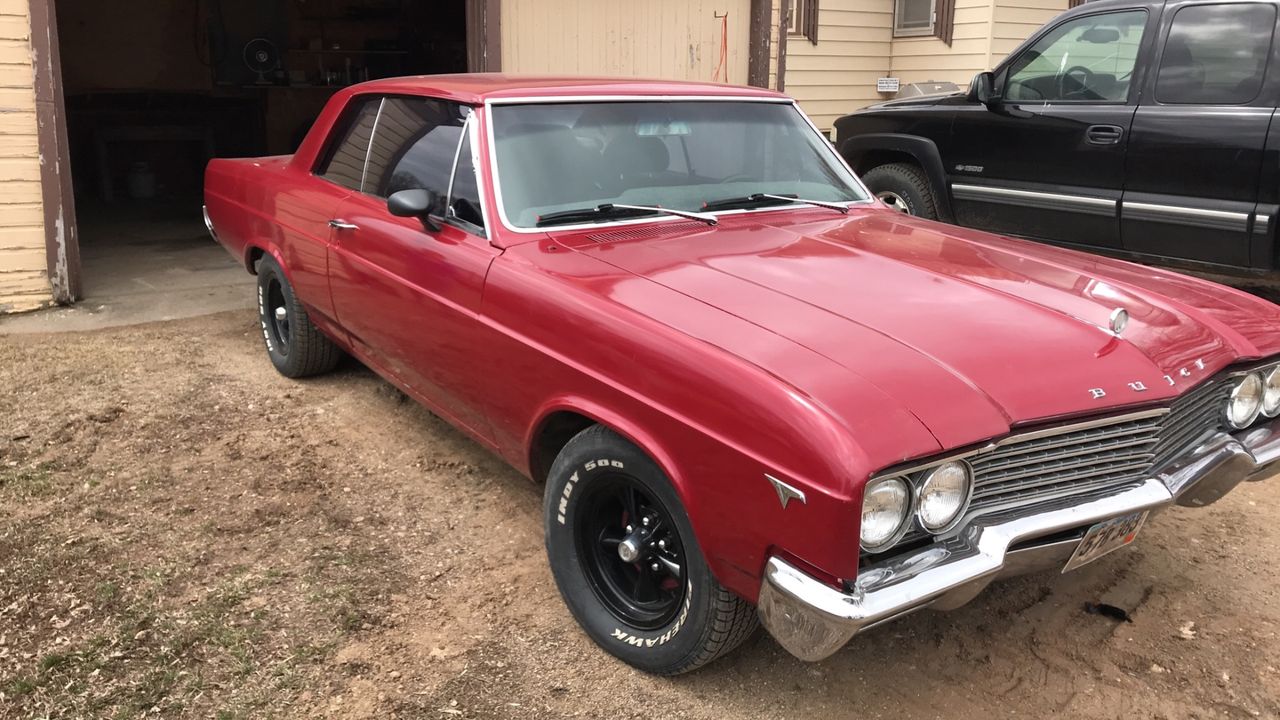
484, 35
62, 244
758, 54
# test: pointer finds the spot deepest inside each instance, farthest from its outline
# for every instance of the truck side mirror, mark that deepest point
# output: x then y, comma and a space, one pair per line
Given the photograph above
982, 89
419, 203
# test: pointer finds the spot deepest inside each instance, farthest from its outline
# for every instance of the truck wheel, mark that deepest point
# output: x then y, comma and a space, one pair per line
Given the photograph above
627, 564
904, 187
296, 347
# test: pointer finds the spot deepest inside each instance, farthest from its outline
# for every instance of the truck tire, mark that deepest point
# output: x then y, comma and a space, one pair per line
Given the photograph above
296, 347
626, 561
904, 187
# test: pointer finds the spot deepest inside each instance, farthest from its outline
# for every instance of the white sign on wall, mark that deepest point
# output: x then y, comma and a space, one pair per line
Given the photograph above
887, 85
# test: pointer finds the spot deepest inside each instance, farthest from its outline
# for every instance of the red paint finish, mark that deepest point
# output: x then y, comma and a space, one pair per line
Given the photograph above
814, 346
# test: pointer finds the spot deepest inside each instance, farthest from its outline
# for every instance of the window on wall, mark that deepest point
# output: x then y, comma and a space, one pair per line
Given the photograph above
924, 18
802, 19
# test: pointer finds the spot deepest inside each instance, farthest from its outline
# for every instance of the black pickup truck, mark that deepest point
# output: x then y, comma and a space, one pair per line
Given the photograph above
1137, 128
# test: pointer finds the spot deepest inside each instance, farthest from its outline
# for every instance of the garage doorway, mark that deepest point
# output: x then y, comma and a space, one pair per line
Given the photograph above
153, 89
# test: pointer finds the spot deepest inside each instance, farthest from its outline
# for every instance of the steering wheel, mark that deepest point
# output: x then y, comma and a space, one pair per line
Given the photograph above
740, 177
1083, 84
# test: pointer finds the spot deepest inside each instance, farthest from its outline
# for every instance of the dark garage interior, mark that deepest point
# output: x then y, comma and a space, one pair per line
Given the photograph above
155, 88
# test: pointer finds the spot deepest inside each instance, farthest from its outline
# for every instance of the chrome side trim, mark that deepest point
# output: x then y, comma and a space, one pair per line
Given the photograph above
1261, 223
1035, 199
208, 222
1198, 217
812, 619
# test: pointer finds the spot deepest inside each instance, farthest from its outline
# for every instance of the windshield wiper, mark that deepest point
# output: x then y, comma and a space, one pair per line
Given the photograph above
764, 199
615, 211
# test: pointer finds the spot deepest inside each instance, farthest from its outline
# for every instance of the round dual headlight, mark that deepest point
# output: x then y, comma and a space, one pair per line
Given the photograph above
944, 495
885, 504
1271, 392
1246, 401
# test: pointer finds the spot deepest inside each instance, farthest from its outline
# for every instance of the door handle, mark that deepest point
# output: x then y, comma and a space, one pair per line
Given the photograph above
342, 225
1104, 134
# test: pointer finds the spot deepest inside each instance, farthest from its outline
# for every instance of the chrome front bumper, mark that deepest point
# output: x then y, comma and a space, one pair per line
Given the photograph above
812, 620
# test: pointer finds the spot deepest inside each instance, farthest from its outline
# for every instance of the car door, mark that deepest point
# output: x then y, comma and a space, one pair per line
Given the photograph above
306, 209
1045, 159
1196, 150
408, 294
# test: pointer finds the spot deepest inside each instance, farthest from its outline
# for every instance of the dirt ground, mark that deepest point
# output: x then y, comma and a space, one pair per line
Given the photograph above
184, 533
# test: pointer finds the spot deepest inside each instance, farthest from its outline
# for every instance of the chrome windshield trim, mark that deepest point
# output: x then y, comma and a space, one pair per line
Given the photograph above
495, 179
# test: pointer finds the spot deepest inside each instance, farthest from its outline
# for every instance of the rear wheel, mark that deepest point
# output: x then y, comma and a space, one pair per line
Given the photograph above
627, 564
903, 187
296, 347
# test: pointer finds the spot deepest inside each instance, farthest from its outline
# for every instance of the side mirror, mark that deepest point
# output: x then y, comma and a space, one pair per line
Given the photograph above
418, 203
982, 89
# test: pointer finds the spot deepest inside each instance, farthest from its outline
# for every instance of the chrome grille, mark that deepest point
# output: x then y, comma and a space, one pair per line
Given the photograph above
1017, 473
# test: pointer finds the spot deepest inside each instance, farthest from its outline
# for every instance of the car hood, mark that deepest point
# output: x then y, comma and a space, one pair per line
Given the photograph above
973, 333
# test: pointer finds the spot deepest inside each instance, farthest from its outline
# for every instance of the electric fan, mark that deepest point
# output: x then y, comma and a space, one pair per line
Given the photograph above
261, 56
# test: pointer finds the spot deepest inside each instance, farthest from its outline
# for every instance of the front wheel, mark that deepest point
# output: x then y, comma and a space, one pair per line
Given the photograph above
627, 564
903, 187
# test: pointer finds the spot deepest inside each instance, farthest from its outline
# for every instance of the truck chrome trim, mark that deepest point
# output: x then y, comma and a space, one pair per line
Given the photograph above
1199, 217
812, 619
1035, 199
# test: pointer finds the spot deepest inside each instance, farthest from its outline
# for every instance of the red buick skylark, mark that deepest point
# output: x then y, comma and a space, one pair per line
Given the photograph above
753, 392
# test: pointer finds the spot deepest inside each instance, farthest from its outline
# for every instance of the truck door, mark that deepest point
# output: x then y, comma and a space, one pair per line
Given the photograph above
409, 295
1046, 159
1195, 155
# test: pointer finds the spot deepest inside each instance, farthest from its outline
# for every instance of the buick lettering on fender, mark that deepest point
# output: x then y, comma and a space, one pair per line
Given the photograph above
752, 391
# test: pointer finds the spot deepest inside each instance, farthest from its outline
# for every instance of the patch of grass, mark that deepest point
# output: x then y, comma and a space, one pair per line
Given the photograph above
31, 482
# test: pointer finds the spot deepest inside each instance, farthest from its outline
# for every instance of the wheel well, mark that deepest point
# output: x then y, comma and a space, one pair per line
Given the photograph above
555, 432
875, 158
252, 257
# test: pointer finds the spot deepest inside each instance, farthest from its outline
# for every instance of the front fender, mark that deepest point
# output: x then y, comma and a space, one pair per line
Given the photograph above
923, 150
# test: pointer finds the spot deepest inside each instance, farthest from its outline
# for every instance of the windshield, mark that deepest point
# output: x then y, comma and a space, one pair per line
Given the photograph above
681, 155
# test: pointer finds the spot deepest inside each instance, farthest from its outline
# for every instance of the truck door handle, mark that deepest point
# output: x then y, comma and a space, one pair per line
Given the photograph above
338, 224
1104, 134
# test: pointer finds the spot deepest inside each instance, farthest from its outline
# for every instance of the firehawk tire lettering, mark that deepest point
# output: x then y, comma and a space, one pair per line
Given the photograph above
626, 637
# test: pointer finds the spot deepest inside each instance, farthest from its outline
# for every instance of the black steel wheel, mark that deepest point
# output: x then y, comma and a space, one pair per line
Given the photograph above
626, 561
295, 345
632, 552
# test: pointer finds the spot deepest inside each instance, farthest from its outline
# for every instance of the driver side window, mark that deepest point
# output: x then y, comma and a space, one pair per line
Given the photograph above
1089, 59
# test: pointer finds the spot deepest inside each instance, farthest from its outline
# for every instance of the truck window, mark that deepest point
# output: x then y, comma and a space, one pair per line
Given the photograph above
343, 162
414, 146
1088, 59
1216, 54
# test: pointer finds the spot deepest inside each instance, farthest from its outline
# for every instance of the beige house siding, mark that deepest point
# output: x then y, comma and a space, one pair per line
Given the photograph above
24, 280
925, 59
670, 39
856, 46
1016, 20
838, 74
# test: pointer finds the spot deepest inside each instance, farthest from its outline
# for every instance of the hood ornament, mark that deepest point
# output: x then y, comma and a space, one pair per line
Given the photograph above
785, 491
1118, 321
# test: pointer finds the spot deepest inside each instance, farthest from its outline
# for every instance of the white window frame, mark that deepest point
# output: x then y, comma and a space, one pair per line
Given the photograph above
929, 31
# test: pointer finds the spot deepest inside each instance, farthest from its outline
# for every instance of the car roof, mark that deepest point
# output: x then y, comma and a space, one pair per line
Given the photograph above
476, 88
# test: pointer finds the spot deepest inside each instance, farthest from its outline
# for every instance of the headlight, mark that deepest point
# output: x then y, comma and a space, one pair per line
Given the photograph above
1246, 401
944, 494
884, 511
1271, 393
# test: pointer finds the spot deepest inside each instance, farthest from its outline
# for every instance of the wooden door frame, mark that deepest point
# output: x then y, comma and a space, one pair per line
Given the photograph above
61, 233
61, 236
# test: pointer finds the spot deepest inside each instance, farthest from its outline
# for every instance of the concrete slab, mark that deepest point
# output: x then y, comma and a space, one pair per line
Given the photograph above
143, 266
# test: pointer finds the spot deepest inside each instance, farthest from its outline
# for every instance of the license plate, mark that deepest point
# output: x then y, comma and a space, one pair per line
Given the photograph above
1106, 537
